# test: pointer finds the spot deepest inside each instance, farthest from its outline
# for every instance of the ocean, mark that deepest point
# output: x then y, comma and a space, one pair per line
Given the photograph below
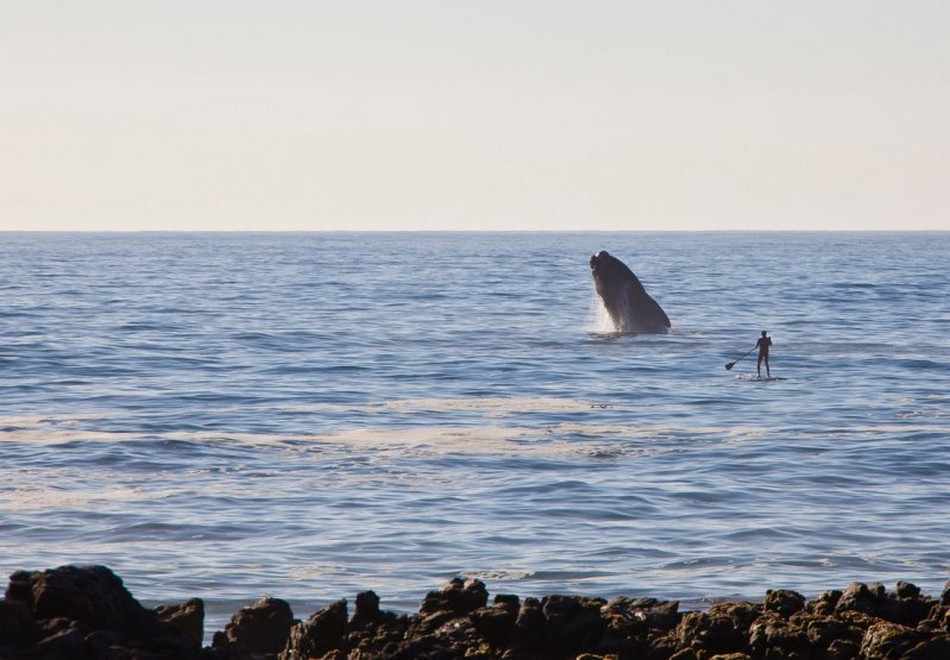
310, 415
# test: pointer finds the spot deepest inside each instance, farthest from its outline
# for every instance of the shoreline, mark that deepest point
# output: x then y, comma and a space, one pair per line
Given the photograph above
87, 613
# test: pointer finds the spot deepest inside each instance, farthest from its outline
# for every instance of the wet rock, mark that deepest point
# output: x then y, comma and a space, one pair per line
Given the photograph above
65, 644
775, 637
186, 618
904, 606
375, 638
823, 632
907, 606
457, 596
784, 602
860, 597
722, 629
637, 624
367, 608
529, 626
17, 626
826, 603
319, 634
497, 623
259, 629
886, 640
91, 595
937, 648
79, 612
86, 614
572, 624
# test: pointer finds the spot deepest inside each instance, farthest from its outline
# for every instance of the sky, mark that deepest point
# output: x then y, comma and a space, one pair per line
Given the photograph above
302, 115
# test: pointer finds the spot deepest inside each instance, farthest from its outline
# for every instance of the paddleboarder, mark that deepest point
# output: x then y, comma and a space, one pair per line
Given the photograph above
763, 344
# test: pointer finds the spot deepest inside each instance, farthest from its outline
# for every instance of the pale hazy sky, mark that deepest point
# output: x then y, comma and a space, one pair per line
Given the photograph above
441, 114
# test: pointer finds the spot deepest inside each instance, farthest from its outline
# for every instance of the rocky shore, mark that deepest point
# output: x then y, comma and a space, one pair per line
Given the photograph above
80, 613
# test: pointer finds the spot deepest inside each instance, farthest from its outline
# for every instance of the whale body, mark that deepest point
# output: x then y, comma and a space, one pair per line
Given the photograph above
630, 307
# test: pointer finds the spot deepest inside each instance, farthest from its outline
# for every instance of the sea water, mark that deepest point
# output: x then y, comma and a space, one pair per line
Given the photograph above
312, 415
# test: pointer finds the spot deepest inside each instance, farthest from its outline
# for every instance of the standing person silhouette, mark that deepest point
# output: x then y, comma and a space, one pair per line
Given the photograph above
763, 344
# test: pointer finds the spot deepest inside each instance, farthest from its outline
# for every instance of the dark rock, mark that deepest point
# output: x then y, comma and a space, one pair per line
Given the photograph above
496, 624
822, 632
886, 640
529, 626
75, 613
17, 626
632, 621
507, 601
784, 602
775, 637
92, 595
907, 606
67, 644
712, 633
842, 649
458, 596
861, 597
826, 603
187, 618
87, 611
936, 648
631, 624
573, 624
907, 590
367, 608
420, 650
904, 606
261, 628
370, 639
430, 624
319, 634
20, 587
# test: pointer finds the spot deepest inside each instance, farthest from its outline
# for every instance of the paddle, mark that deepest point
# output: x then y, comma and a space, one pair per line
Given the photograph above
730, 365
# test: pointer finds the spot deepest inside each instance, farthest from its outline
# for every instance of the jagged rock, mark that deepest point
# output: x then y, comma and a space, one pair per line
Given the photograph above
722, 629
572, 623
367, 608
886, 640
187, 618
529, 626
68, 643
91, 595
80, 612
826, 603
937, 648
907, 606
861, 597
497, 623
822, 632
75, 613
17, 626
783, 602
457, 596
261, 628
773, 636
319, 634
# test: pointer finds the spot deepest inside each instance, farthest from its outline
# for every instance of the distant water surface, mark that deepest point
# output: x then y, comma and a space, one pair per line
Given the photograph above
312, 415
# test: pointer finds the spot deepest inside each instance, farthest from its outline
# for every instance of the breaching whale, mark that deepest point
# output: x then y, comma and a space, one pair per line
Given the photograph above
629, 305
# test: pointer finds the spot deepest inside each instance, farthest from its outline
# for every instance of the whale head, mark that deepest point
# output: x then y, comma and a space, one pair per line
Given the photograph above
630, 307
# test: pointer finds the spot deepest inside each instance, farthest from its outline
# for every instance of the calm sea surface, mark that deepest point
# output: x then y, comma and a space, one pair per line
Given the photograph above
312, 415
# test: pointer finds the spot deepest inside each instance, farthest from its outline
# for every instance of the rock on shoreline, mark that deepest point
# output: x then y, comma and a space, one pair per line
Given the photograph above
86, 613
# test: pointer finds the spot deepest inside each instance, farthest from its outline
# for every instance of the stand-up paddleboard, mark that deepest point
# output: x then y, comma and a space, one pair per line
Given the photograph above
759, 378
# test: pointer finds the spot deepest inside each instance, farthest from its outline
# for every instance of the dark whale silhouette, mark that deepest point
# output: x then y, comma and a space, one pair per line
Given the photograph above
629, 305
